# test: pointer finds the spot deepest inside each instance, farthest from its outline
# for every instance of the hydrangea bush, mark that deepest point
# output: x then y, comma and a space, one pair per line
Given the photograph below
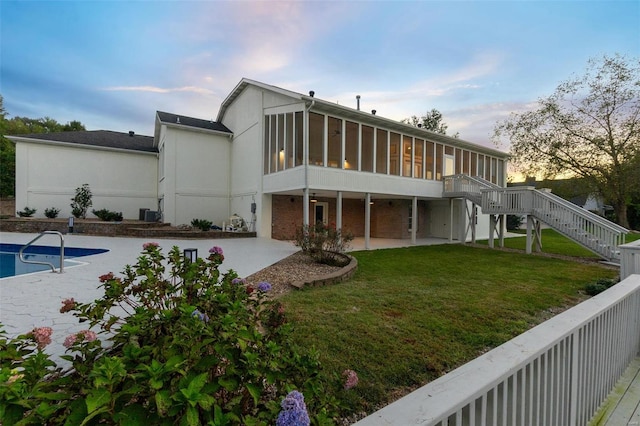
175, 342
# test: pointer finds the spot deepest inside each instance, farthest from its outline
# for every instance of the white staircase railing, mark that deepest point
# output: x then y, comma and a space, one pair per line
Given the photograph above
584, 227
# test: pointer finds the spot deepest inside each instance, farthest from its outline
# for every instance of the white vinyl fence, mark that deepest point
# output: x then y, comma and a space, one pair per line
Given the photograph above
629, 259
557, 373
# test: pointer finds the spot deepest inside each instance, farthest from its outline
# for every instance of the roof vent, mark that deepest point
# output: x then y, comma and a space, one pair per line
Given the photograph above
178, 120
358, 102
311, 93
373, 111
131, 133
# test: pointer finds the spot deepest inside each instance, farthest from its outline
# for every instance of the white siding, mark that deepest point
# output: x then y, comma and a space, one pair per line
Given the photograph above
47, 175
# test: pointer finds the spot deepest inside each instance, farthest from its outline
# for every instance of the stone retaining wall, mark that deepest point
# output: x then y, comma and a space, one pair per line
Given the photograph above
333, 278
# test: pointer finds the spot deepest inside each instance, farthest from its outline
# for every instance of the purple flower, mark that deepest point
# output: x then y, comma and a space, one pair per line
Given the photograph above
200, 316
294, 411
150, 246
215, 250
264, 286
237, 281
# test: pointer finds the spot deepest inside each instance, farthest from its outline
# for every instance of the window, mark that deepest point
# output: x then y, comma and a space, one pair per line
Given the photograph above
418, 157
334, 146
273, 140
381, 151
367, 148
407, 155
458, 169
316, 139
351, 146
299, 138
430, 168
288, 149
465, 161
438, 162
265, 155
280, 145
480, 166
394, 154
474, 164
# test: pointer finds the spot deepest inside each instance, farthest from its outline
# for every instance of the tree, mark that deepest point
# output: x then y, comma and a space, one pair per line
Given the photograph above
589, 128
431, 121
21, 126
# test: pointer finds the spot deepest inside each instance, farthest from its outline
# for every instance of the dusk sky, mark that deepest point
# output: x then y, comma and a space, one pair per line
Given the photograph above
112, 64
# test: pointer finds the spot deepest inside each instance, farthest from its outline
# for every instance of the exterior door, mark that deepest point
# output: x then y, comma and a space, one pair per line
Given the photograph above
321, 213
449, 165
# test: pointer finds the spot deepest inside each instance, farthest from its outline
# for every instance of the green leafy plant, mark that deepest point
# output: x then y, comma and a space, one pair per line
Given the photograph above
81, 202
186, 344
51, 212
26, 212
599, 286
202, 224
514, 222
323, 243
107, 215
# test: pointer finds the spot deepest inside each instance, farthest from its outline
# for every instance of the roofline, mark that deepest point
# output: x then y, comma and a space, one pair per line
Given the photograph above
228, 134
79, 145
362, 115
404, 127
242, 85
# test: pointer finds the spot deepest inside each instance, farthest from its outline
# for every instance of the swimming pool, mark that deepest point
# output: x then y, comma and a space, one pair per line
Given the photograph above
11, 265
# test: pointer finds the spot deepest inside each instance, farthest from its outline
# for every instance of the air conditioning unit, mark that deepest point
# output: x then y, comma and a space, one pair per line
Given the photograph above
151, 216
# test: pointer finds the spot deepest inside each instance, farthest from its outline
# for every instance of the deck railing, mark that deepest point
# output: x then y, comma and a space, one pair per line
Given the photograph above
467, 186
629, 259
557, 373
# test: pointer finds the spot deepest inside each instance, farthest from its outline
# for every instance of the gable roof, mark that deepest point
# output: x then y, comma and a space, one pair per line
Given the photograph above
97, 138
182, 120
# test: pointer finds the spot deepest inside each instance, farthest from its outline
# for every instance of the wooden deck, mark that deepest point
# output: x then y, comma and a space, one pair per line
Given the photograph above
622, 407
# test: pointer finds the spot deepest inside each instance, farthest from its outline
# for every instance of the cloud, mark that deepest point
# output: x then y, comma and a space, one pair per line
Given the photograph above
153, 89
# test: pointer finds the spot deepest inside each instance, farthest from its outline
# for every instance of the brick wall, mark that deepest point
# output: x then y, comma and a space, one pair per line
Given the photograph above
389, 218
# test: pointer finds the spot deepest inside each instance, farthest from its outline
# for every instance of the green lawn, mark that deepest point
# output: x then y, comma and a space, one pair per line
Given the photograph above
410, 315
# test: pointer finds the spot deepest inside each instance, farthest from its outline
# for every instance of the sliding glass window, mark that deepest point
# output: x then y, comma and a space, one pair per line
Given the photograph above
438, 162
289, 140
266, 148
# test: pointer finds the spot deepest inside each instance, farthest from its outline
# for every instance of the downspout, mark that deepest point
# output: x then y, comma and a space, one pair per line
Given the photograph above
305, 160
229, 175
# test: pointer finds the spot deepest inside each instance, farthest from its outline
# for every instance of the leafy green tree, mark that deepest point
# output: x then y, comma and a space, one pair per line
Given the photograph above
589, 128
22, 126
431, 121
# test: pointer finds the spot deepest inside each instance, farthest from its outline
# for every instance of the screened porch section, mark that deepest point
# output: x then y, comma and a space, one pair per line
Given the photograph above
350, 144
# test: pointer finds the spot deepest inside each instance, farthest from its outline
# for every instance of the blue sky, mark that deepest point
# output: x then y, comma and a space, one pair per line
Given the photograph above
112, 64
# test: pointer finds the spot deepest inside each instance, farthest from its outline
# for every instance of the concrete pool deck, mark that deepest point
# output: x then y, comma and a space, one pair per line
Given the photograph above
34, 300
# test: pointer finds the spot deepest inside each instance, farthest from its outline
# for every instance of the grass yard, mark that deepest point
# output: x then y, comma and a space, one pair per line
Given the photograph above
553, 242
410, 315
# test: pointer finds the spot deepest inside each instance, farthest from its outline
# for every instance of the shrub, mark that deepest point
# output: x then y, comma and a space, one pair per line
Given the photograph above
51, 212
81, 202
599, 286
202, 224
322, 242
185, 344
27, 212
514, 222
107, 215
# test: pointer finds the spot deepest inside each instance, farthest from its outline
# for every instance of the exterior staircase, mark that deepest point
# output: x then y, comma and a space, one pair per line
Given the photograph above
582, 226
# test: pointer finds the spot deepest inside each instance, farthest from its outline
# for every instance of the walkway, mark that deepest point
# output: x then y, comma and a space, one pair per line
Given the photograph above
622, 407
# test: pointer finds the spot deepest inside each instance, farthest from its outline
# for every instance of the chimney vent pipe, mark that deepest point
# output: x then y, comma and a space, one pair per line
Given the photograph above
358, 102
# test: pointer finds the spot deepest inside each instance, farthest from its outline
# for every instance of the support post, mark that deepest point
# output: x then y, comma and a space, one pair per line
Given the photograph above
450, 219
305, 207
492, 229
339, 211
414, 220
367, 220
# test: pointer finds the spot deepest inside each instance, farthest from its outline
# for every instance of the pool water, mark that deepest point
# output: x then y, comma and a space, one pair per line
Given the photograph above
11, 265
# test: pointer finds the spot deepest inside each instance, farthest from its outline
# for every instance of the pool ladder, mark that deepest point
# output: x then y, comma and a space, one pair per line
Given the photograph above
51, 265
